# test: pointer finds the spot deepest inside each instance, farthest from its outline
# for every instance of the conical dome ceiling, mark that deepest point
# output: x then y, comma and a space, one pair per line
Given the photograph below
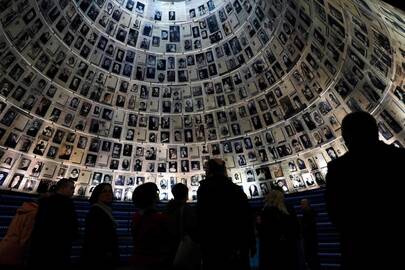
127, 92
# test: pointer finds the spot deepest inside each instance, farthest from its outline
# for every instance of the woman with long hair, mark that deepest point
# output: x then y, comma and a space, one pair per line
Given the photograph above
100, 246
278, 233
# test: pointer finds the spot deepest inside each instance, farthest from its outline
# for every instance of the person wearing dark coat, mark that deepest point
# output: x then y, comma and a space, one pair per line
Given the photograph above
54, 230
309, 235
150, 231
226, 224
181, 215
278, 230
367, 219
182, 223
100, 245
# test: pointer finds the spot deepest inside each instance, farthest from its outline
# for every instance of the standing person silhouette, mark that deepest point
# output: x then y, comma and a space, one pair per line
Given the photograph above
150, 231
225, 221
367, 219
14, 246
55, 228
182, 224
278, 230
100, 245
309, 235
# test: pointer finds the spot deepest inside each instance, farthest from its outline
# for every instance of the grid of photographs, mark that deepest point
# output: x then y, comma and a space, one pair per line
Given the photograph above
128, 92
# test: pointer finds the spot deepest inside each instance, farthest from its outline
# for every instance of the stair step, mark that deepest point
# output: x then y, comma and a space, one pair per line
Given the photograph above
329, 245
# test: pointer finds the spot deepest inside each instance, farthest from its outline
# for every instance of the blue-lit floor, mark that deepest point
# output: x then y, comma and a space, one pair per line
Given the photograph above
122, 211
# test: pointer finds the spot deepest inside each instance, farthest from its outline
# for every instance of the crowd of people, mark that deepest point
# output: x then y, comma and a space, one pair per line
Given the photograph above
220, 231
217, 233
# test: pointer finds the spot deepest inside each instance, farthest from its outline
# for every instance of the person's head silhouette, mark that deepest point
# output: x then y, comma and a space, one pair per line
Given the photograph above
102, 193
216, 168
65, 187
359, 130
146, 196
180, 192
275, 198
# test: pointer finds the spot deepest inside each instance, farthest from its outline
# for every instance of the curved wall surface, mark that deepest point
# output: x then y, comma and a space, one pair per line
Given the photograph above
127, 92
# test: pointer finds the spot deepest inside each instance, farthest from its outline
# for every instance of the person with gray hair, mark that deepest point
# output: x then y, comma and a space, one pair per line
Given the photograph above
226, 225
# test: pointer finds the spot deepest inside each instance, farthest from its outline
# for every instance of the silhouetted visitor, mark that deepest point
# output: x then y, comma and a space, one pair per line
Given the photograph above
182, 225
100, 245
225, 221
150, 231
309, 235
13, 247
55, 228
15, 244
278, 234
367, 217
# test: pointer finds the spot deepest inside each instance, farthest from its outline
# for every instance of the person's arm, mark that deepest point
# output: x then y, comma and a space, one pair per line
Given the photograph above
295, 224
249, 220
190, 223
164, 232
27, 226
72, 221
332, 193
200, 200
252, 233
41, 219
199, 208
263, 223
314, 214
94, 232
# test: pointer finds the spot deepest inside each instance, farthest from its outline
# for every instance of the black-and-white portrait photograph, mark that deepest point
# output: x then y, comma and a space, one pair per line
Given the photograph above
140, 7
3, 177
172, 15
15, 181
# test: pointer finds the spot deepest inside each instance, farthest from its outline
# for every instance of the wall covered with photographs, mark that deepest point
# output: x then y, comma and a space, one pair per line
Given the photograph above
127, 92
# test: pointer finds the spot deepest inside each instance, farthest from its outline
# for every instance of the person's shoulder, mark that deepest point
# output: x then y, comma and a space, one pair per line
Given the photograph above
27, 208
171, 206
136, 217
95, 209
97, 214
340, 161
63, 200
207, 181
291, 209
48, 201
202, 183
43, 200
189, 208
238, 190
57, 197
392, 151
269, 210
159, 217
